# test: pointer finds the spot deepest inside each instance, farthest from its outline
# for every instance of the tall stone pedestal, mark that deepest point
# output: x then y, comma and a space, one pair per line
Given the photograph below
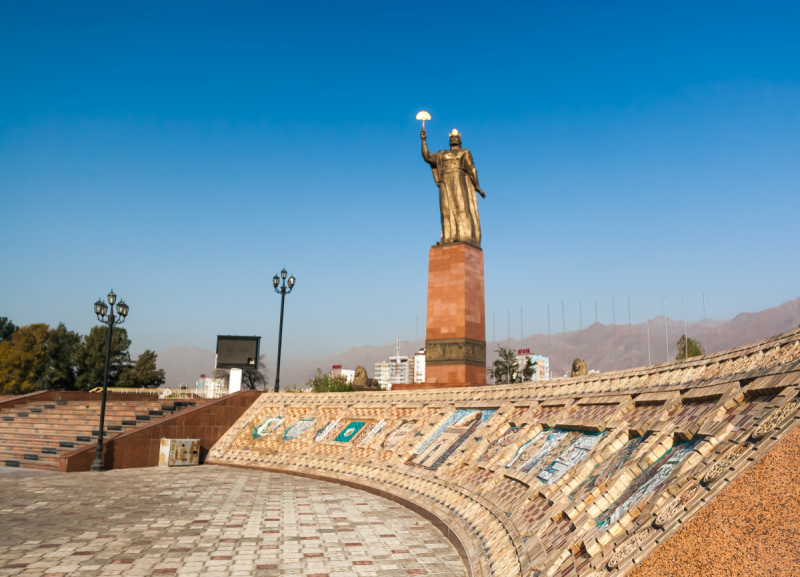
455, 338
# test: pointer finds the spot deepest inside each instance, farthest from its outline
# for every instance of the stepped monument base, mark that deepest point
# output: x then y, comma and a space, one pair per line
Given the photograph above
455, 337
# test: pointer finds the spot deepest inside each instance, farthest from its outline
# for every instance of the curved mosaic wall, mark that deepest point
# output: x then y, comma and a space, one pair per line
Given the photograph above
572, 477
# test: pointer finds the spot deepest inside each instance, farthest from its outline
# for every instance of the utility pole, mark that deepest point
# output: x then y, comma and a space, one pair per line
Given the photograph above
647, 312
597, 335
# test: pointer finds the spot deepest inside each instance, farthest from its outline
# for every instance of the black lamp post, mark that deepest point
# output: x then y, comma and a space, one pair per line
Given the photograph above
100, 309
282, 289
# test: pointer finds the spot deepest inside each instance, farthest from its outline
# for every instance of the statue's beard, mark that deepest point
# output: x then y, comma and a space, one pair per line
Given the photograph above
455, 143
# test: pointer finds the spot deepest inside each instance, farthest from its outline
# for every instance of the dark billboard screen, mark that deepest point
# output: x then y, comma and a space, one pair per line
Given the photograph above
237, 352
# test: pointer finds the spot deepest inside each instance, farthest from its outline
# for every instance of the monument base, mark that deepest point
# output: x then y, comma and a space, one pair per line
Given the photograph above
455, 336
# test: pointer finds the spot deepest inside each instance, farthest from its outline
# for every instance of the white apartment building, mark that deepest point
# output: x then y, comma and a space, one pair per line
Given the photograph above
401, 369
419, 366
210, 388
382, 374
338, 371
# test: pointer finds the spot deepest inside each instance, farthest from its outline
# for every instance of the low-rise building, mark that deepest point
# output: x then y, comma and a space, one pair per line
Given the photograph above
419, 366
401, 370
382, 374
210, 388
542, 364
348, 374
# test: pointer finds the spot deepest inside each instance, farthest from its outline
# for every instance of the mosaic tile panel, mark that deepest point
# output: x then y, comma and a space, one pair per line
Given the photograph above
645, 484
267, 427
328, 431
451, 435
398, 436
368, 432
534, 455
297, 429
349, 431
604, 471
577, 452
498, 445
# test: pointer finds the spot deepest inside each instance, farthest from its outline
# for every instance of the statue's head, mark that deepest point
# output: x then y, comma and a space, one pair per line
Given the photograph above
455, 139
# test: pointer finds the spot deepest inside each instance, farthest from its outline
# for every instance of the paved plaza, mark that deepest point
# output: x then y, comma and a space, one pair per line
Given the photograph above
210, 521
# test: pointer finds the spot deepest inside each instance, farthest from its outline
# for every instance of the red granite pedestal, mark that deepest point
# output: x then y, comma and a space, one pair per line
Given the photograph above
455, 338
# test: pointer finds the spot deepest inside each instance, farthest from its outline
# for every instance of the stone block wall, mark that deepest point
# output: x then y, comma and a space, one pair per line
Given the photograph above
571, 477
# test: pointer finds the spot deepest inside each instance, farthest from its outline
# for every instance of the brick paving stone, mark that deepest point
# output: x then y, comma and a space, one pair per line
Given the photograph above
210, 521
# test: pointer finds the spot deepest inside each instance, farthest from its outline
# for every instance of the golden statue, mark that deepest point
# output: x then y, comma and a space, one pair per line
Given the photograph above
455, 174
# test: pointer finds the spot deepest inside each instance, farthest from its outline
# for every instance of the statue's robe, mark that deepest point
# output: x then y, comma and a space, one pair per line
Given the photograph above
455, 174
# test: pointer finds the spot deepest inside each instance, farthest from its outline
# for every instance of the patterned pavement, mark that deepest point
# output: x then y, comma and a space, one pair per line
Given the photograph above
210, 521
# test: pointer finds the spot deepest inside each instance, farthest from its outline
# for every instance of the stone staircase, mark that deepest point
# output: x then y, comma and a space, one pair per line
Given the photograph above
33, 435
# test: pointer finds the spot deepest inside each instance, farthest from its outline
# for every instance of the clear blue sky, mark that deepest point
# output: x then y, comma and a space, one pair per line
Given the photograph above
182, 154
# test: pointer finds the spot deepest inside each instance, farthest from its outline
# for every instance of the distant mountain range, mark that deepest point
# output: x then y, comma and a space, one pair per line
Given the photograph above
619, 347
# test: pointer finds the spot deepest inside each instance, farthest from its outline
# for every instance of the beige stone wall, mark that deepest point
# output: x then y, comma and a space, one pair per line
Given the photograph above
573, 477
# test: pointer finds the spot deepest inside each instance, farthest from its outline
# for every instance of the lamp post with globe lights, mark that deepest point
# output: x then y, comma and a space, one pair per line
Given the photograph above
100, 309
282, 288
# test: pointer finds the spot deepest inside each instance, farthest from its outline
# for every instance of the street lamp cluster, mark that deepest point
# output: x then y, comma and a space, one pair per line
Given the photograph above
100, 309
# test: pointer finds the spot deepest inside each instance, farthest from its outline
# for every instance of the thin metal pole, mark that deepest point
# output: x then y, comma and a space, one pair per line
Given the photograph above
705, 328
280, 341
580, 307
647, 311
614, 338
564, 336
549, 342
597, 335
98, 464
666, 330
685, 329
630, 331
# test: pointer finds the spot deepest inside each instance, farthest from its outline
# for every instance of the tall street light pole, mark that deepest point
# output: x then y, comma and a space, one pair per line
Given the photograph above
100, 309
283, 289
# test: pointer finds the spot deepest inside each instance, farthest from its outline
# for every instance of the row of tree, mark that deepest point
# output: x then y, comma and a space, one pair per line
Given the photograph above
36, 357
506, 369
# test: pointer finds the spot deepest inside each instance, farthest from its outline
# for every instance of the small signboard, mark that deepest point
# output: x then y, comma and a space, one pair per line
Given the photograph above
524, 352
237, 352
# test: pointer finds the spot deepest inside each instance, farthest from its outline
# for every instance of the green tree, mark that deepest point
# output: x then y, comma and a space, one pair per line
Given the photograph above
529, 371
7, 328
91, 355
23, 359
60, 349
325, 383
505, 368
695, 349
143, 373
